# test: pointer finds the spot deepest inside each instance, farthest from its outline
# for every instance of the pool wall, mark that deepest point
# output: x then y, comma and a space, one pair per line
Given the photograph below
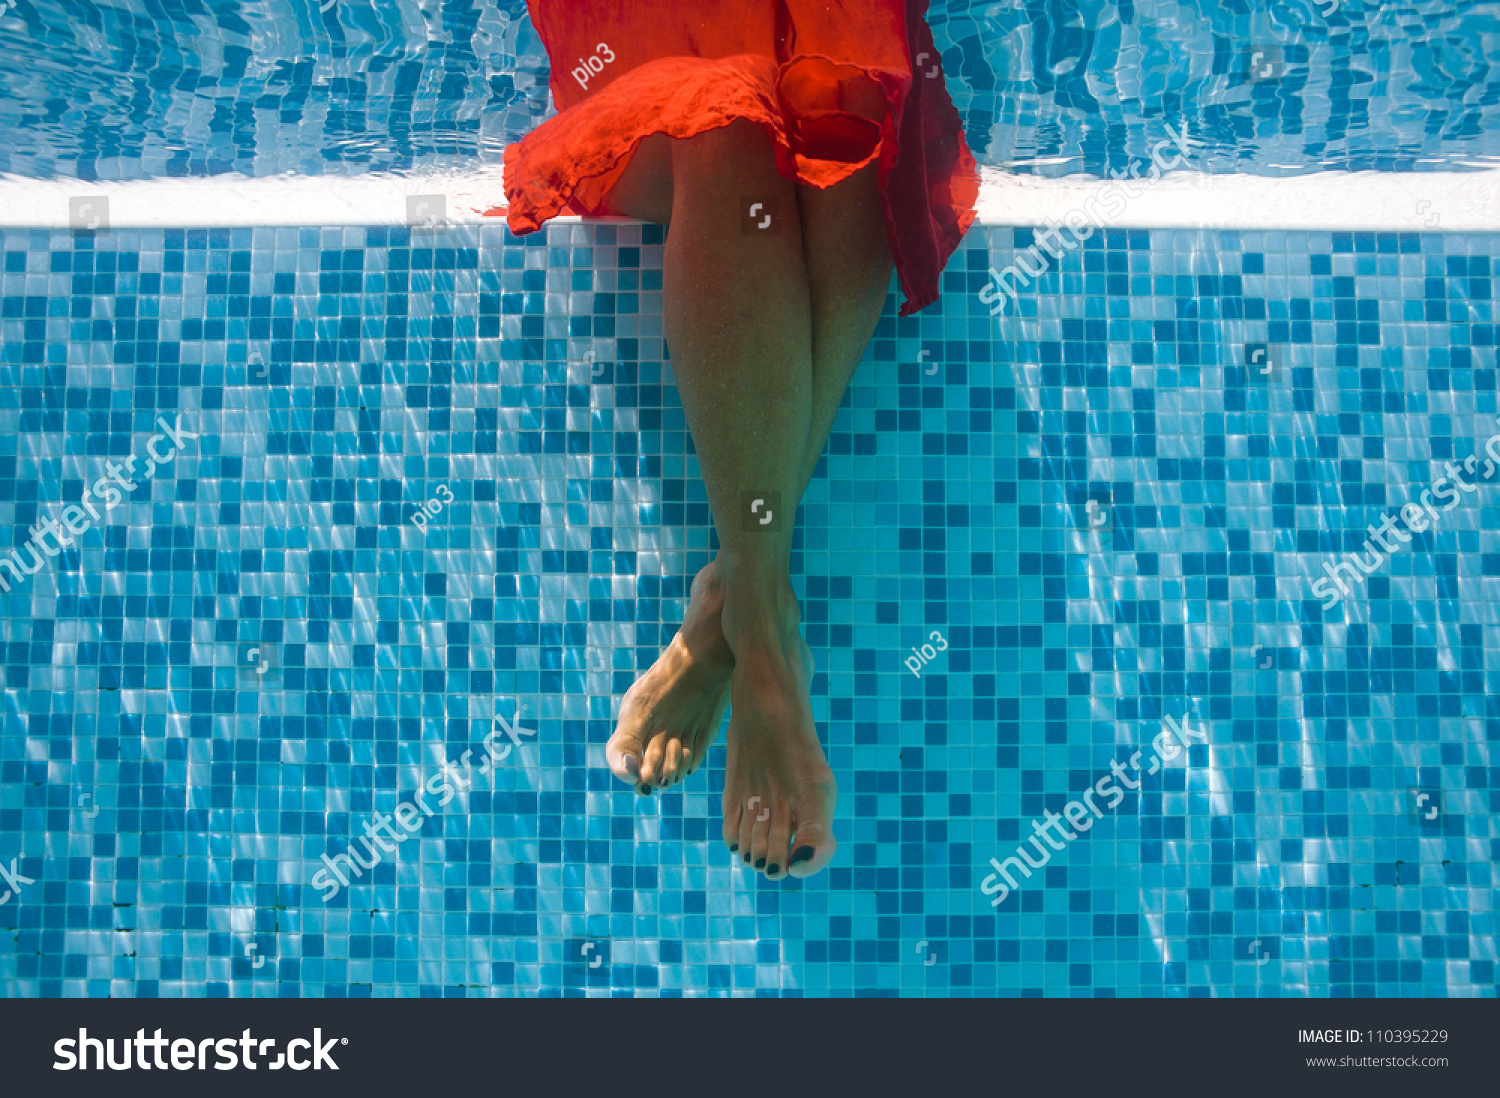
170, 801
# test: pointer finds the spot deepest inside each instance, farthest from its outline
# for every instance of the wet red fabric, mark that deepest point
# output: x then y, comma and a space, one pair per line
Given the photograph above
625, 69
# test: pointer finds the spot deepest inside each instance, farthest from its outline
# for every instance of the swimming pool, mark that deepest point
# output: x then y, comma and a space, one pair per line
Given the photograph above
223, 683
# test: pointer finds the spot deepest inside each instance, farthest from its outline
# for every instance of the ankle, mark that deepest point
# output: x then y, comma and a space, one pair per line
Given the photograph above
702, 631
760, 615
709, 584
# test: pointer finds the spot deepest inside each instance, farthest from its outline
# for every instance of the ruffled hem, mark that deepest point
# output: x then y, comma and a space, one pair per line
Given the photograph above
582, 151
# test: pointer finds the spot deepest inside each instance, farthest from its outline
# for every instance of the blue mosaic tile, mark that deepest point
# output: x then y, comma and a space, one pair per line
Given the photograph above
406, 482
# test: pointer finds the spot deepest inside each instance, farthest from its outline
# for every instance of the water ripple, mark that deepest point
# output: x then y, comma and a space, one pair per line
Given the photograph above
1051, 87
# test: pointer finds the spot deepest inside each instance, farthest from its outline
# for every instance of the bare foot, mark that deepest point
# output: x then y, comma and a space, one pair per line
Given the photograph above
670, 716
779, 793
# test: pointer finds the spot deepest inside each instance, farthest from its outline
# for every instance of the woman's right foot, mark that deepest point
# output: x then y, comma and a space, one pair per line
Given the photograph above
671, 715
779, 793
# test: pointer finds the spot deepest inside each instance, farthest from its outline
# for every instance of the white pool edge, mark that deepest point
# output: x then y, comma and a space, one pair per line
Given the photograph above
1455, 201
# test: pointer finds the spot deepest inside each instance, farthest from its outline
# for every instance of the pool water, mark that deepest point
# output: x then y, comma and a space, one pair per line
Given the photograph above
171, 89
1104, 505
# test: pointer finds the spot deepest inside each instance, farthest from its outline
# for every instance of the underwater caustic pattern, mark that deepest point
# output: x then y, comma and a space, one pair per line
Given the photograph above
1416, 515
319, 708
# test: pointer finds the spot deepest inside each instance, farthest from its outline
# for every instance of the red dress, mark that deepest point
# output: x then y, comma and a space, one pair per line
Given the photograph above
625, 69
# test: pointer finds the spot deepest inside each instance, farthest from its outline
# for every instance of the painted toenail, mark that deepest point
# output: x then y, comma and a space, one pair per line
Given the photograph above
646, 789
802, 854
773, 869
734, 848
760, 863
632, 766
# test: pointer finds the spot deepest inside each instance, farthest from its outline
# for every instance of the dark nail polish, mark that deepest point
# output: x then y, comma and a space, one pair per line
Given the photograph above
734, 848
773, 869
760, 863
632, 766
646, 789
746, 857
802, 854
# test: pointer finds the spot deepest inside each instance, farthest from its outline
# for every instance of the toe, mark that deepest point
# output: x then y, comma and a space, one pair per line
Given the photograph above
672, 766
651, 763
747, 833
813, 844
758, 813
778, 842
623, 754
732, 823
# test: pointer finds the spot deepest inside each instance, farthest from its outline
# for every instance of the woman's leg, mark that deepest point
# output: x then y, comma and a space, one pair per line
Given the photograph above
849, 272
848, 266
670, 716
737, 309
672, 713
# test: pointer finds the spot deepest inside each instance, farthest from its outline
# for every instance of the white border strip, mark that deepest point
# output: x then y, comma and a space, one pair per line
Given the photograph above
1383, 201
1379, 201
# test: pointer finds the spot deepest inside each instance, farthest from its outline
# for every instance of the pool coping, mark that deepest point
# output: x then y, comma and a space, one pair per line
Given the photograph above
1449, 201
